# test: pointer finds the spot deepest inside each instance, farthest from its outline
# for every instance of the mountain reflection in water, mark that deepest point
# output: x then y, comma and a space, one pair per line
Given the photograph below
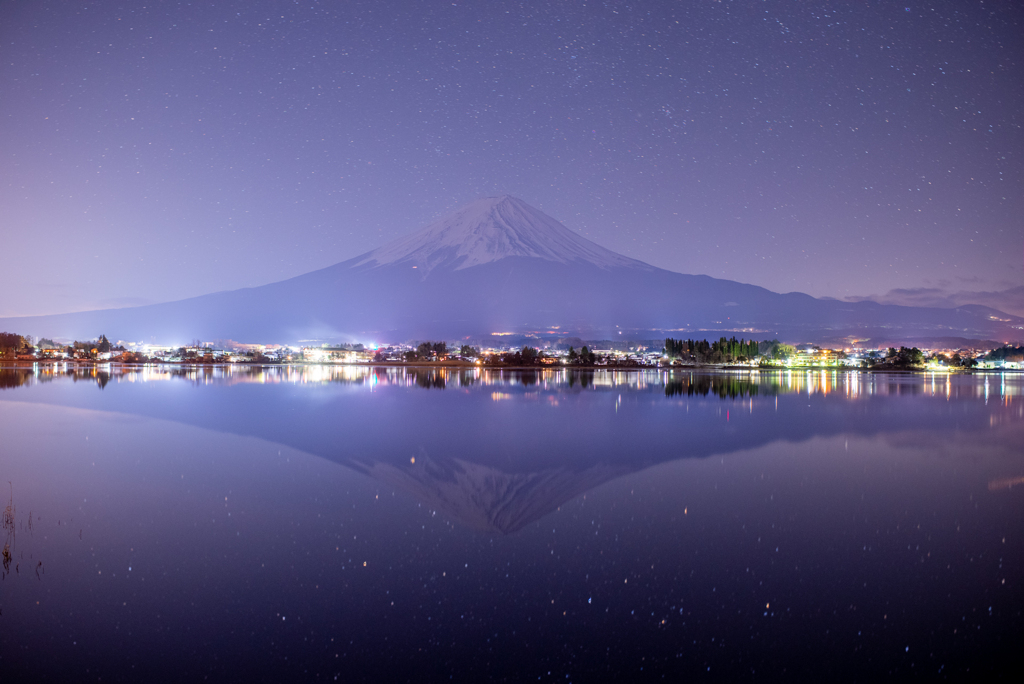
497, 466
553, 525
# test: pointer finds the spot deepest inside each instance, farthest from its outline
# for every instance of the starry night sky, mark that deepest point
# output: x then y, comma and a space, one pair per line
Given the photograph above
154, 151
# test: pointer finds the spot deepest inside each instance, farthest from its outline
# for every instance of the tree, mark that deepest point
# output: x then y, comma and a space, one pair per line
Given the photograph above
902, 358
784, 351
11, 341
432, 349
1007, 352
587, 357
963, 361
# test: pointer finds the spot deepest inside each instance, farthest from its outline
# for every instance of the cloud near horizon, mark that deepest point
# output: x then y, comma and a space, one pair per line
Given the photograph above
1010, 300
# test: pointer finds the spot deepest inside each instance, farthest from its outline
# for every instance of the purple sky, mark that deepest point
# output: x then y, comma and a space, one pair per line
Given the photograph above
839, 149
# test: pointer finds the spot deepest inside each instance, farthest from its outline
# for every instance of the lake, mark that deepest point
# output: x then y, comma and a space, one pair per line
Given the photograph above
390, 524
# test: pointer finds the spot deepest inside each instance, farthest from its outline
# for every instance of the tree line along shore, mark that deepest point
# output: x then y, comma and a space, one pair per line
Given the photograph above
724, 352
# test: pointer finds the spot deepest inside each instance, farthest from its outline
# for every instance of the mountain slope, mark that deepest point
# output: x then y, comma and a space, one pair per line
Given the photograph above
499, 265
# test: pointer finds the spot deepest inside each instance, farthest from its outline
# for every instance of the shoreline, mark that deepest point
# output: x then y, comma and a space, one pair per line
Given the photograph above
465, 365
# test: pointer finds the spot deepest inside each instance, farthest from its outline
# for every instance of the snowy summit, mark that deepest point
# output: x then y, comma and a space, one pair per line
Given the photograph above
491, 229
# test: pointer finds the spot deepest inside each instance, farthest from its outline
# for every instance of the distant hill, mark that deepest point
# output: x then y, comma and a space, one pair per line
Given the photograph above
500, 265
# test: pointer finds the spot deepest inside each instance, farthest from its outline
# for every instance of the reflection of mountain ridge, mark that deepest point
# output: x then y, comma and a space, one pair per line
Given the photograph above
485, 498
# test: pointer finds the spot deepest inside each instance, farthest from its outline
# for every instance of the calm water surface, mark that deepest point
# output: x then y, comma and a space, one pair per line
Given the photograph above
354, 524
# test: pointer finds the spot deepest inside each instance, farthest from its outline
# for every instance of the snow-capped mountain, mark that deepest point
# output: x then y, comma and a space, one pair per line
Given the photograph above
490, 230
499, 265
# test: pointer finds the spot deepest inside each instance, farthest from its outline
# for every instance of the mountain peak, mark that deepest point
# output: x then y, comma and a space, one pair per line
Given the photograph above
491, 229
